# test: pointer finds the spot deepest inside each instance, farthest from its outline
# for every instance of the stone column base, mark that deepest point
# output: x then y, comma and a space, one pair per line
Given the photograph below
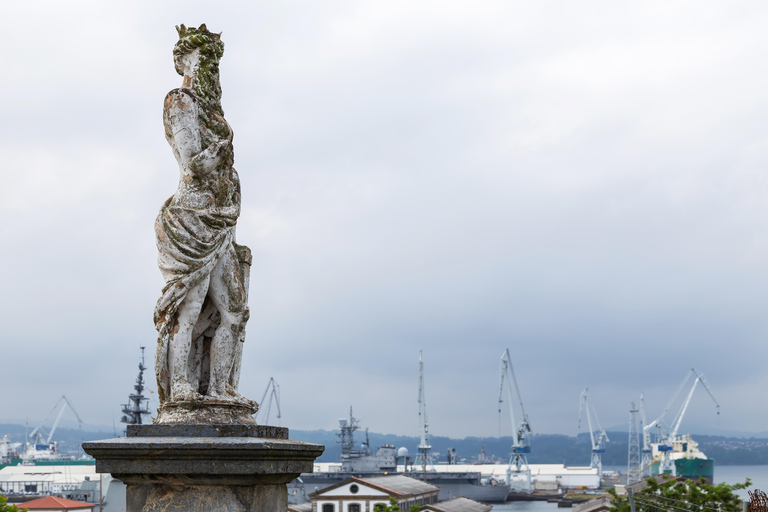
224, 498
204, 467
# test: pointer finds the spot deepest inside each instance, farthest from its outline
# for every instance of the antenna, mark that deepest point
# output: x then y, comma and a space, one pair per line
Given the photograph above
424, 446
634, 471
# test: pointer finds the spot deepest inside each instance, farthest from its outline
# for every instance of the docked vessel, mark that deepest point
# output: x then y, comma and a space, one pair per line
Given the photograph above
388, 460
674, 454
688, 460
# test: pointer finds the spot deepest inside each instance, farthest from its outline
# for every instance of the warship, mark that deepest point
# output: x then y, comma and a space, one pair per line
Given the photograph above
388, 460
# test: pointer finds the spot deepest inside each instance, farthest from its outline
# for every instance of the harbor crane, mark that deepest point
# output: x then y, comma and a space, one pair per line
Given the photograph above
424, 446
598, 442
667, 465
521, 446
40, 440
273, 390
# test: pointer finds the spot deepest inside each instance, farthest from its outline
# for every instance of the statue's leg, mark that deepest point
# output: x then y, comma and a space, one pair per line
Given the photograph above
181, 342
228, 293
245, 258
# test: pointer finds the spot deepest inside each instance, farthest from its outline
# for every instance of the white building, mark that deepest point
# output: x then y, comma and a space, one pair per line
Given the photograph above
369, 494
55, 479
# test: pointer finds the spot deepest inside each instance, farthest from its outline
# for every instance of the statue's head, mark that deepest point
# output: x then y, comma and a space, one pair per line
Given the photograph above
198, 51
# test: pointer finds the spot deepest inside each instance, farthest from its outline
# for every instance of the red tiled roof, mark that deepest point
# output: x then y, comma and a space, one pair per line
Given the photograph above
54, 503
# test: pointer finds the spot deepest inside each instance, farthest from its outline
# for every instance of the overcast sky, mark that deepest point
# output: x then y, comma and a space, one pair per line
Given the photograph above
583, 183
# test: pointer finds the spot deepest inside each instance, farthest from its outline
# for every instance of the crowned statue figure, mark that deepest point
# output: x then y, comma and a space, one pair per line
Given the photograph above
201, 315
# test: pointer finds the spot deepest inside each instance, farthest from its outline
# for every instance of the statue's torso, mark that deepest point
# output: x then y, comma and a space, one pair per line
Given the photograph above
218, 188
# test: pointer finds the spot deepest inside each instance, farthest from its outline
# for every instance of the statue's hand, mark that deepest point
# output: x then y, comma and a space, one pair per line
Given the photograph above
208, 159
222, 147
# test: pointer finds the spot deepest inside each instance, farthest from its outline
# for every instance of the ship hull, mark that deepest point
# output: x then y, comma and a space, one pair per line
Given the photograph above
693, 469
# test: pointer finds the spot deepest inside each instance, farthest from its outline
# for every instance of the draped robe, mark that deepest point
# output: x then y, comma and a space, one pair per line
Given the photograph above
191, 240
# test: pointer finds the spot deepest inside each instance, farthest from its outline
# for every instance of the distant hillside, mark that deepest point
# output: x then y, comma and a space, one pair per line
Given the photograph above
69, 439
545, 449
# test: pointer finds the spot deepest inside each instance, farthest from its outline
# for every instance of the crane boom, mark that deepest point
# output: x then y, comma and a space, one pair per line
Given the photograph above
502, 377
583, 405
684, 408
706, 386
38, 433
657, 421
273, 390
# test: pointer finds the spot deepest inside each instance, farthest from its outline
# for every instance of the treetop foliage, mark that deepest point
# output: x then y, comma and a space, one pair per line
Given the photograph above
681, 495
5, 507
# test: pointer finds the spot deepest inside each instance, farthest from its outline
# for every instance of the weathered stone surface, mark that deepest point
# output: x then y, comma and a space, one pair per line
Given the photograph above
264, 431
208, 412
204, 451
203, 309
168, 498
250, 457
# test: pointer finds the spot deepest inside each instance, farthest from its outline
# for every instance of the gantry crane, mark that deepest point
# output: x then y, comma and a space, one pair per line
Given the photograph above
521, 446
667, 465
598, 443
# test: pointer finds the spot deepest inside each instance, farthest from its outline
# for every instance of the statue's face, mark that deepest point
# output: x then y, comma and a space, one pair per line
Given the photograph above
188, 63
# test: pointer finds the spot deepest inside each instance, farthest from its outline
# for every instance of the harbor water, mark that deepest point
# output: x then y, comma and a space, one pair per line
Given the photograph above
727, 474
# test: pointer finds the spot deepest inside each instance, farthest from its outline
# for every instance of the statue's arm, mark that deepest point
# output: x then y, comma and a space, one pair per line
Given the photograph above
183, 131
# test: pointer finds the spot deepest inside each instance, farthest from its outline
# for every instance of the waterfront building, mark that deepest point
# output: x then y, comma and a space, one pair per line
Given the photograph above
369, 494
544, 477
460, 504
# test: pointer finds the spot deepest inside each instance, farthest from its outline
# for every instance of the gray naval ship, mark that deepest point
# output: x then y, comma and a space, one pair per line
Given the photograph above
363, 463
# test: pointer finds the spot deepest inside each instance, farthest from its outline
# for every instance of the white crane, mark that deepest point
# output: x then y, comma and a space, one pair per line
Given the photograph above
273, 389
667, 464
521, 446
598, 443
424, 446
38, 435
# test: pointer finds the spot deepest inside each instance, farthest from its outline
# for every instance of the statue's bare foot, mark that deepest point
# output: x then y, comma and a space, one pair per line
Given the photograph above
215, 392
183, 391
232, 391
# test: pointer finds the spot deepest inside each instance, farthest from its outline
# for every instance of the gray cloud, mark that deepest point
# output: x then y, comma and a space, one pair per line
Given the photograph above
581, 183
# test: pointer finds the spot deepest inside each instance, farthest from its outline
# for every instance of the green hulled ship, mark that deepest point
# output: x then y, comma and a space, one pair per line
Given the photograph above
683, 452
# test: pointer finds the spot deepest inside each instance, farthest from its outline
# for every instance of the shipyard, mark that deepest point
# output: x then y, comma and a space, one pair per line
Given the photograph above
339, 256
36, 469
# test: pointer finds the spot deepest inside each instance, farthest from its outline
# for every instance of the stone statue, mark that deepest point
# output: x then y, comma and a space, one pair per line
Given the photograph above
202, 312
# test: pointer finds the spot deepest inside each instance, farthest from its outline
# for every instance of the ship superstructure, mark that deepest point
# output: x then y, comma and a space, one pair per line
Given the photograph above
138, 405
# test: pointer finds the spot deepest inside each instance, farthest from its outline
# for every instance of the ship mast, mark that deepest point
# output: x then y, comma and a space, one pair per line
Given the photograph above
138, 404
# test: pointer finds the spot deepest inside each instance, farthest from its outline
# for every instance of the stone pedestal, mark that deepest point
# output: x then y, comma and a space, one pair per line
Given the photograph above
228, 468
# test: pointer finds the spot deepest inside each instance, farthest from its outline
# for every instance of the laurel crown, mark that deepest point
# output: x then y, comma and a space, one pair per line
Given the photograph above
183, 31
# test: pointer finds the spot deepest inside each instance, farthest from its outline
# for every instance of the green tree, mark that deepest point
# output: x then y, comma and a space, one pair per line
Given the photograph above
684, 495
5, 507
392, 507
